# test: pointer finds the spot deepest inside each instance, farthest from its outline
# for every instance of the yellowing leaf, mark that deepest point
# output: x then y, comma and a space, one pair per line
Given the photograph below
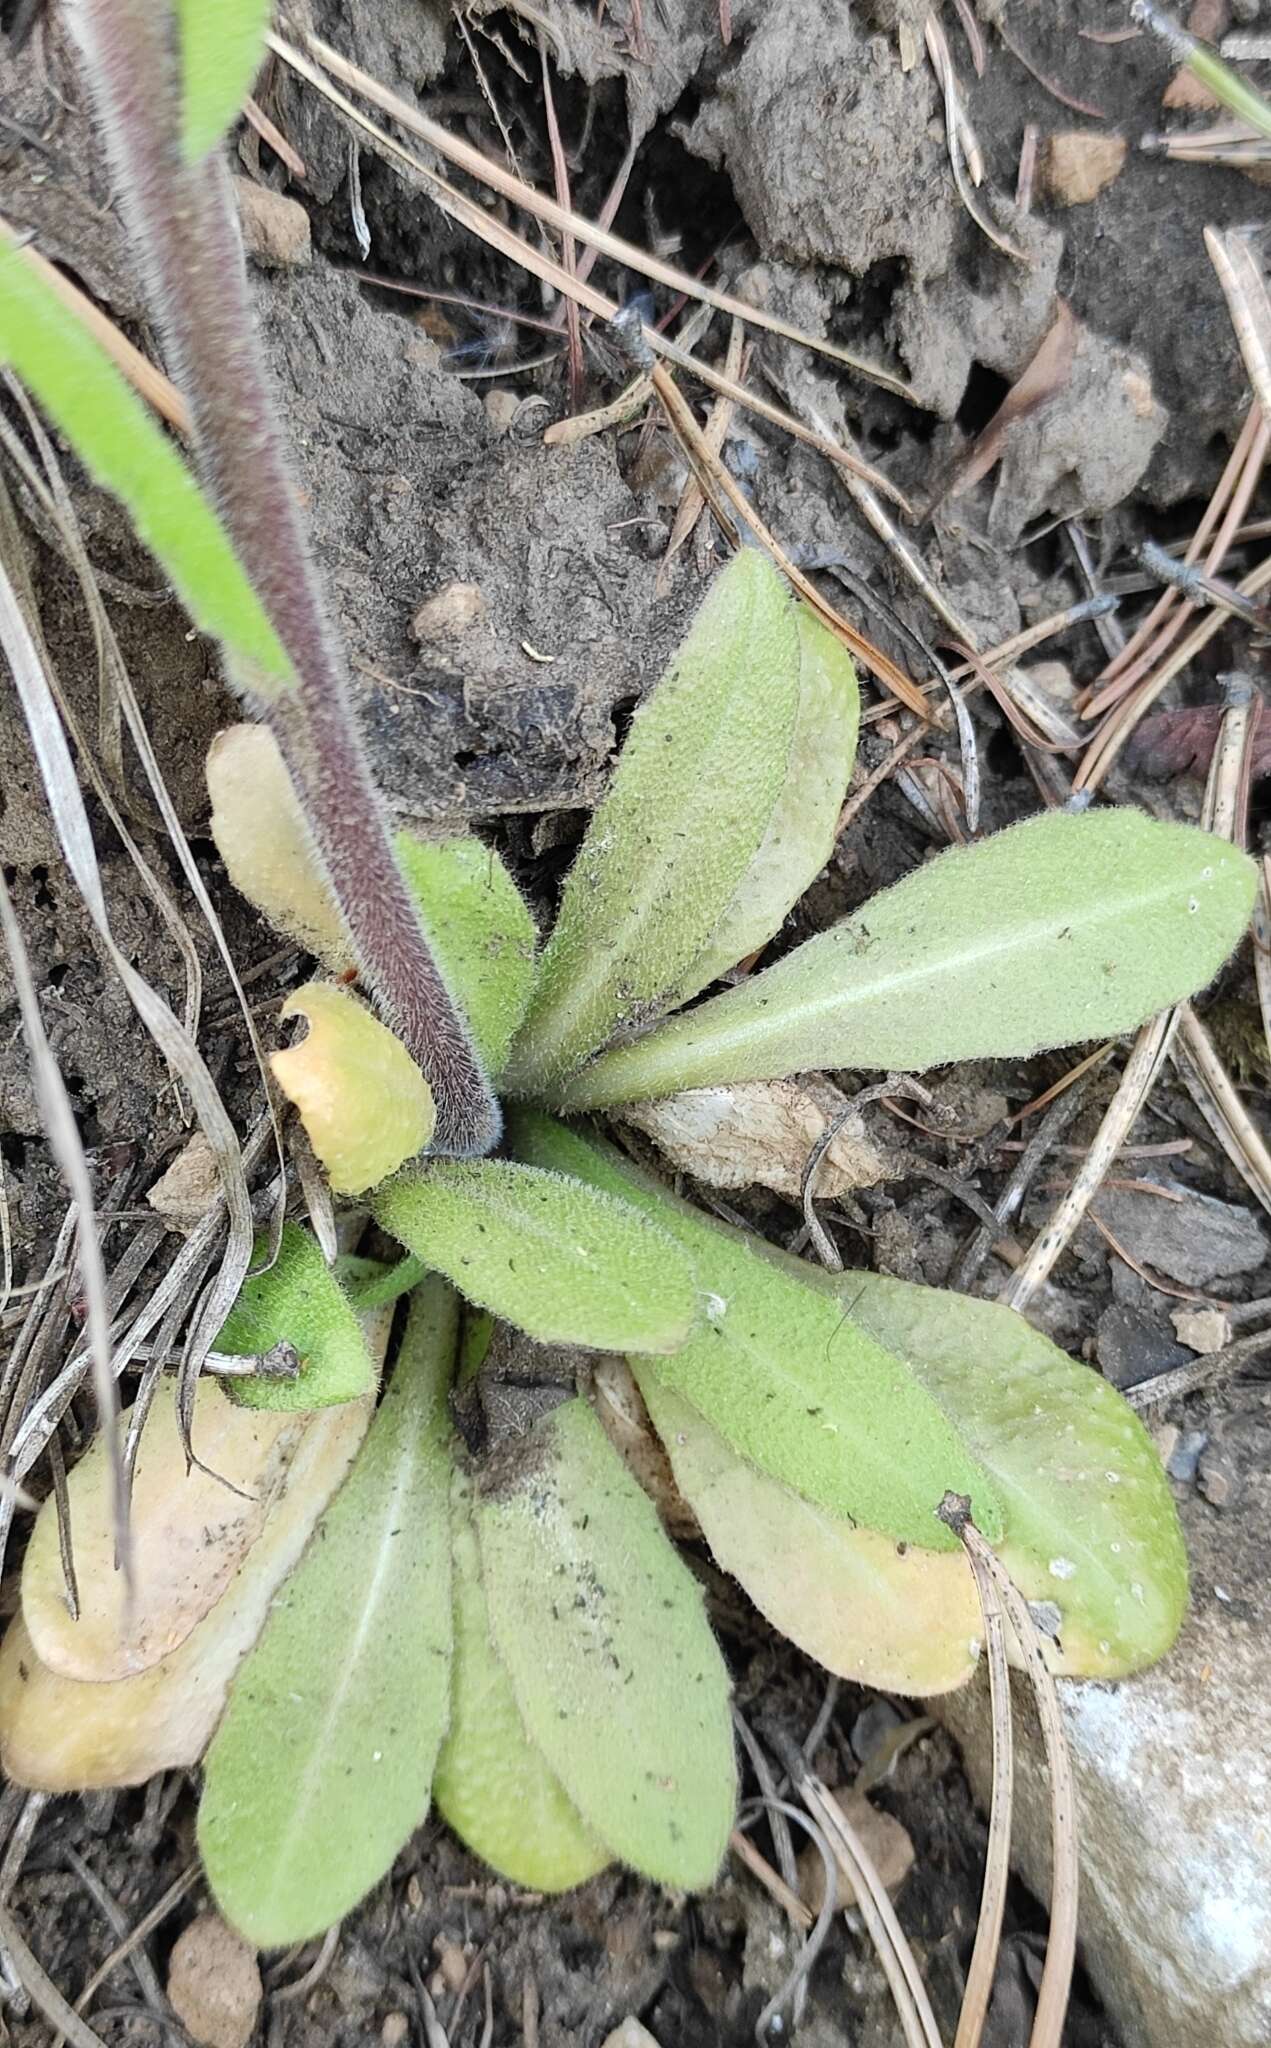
321, 1769
697, 783
64, 1735
790, 1382
491, 1784
297, 1301
875, 1612
222, 46
480, 931
559, 1260
75, 382
801, 830
603, 1634
1090, 1520
191, 1529
262, 837
362, 1100
1061, 929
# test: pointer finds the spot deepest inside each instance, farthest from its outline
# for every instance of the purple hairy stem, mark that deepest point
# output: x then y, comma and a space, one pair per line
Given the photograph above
182, 217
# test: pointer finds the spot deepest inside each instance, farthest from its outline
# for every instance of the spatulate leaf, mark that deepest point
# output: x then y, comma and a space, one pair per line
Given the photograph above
1060, 929
1090, 1521
321, 1768
61, 1734
801, 830
492, 1785
481, 934
192, 1525
565, 1263
298, 1301
363, 1102
265, 843
222, 45
75, 382
875, 1612
807, 1396
697, 783
604, 1636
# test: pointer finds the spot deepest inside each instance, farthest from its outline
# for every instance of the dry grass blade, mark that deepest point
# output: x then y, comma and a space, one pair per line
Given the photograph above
70, 818
960, 140
6, 1242
771, 1880
715, 433
1262, 944
149, 383
1061, 1946
875, 1908
717, 484
144, 1928
997, 1859
569, 248
1141, 1070
488, 172
41, 1989
793, 1986
1215, 1095
1249, 305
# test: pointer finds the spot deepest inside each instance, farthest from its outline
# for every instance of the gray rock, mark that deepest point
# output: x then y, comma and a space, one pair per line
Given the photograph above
1134, 1347
1173, 1805
1195, 1240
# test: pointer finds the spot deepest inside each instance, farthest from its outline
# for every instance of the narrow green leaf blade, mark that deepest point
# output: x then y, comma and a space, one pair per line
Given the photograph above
119, 443
875, 1612
559, 1260
222, 45
298, 1301
1060, 929
492, 1785
603, 1633
1090, 1520
703, 767
801, 831
790, 1383
322, 1767
481, 933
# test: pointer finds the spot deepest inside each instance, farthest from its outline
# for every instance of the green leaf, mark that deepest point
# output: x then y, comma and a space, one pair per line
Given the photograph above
481, 933
702, 771
297, 1301
492, 1785
1090, 1520
801, 831
878, 1613
61, 1734
321, 1769
1061, 929
1076, 1478
789, 1382
559, 1260
75, 382
603, 1633
363, 1102
369, 1283
222, 47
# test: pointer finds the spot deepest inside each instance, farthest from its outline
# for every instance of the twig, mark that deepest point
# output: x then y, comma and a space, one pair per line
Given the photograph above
1061, 1114
1209, 1370
997, 1856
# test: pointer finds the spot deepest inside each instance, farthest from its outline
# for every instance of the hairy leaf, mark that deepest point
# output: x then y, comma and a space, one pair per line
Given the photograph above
321, 1768
801, 830
873, 1611
64, 1735
481, 933
1086, 1516
265, 843
492, 1785
790, 1383
703, 769
560, 1261
362, 1100
110, 430
222, 45
298, 1301
1060, 929
603, 1633
191, 1525
1090, 1521
370, 1284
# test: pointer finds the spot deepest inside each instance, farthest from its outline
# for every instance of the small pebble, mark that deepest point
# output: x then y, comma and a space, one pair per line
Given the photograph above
275, 228
1217, 1477
629, 2033
454, 610
214, 1984
1186, 1457
395, 2030
871, 1729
